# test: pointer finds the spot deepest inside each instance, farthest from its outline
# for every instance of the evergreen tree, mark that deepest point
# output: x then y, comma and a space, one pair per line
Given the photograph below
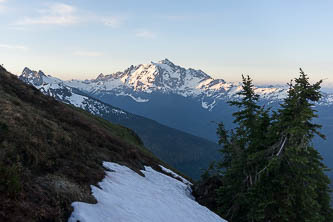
296, 173
270, 169
242, 151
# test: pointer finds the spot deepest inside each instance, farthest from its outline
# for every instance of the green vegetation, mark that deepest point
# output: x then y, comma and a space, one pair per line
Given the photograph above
50, 153
270, 170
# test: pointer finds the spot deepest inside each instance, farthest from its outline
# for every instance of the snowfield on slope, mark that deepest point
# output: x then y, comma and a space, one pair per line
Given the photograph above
125, 196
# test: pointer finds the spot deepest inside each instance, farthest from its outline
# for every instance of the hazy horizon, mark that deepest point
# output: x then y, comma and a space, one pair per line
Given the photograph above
80, 39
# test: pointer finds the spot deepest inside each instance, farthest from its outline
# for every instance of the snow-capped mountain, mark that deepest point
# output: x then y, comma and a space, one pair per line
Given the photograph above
184, 99
175, 147
162, 76
139, 82
56, 88
162, 91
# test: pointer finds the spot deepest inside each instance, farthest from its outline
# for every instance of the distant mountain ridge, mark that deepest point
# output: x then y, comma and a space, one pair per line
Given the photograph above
139, 82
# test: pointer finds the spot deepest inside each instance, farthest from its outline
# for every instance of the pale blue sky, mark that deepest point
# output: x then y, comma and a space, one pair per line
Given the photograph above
267, 39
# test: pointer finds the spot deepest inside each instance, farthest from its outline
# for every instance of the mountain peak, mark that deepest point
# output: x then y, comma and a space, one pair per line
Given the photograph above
41, 73
166, 62
31, 73
163, 76
2, 68
100, 76
31, 76
26, 70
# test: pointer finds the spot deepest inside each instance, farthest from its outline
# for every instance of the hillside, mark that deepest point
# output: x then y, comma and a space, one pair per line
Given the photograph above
50, 153
185, 152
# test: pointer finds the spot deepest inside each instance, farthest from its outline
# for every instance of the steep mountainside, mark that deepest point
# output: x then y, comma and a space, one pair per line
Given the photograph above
187, 153
50, 153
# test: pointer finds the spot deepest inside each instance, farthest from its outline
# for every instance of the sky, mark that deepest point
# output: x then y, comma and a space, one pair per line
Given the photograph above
78, 39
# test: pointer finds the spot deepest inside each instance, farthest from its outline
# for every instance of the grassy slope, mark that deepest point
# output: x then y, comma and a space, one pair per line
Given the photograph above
50, 153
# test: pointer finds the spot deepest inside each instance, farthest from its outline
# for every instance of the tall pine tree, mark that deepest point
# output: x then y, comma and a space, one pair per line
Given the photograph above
270, 169
242, 151
296, 173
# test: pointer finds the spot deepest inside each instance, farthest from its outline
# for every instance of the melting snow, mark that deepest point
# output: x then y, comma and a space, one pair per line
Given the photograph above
125, 196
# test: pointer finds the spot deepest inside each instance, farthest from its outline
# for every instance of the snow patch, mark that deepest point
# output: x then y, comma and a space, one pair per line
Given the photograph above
175, 175
136, 99
77, 100
205, 105
125, 196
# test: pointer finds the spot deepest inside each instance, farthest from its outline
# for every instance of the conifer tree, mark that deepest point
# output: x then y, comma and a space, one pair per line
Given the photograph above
242, 148
270, 169
299, 187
